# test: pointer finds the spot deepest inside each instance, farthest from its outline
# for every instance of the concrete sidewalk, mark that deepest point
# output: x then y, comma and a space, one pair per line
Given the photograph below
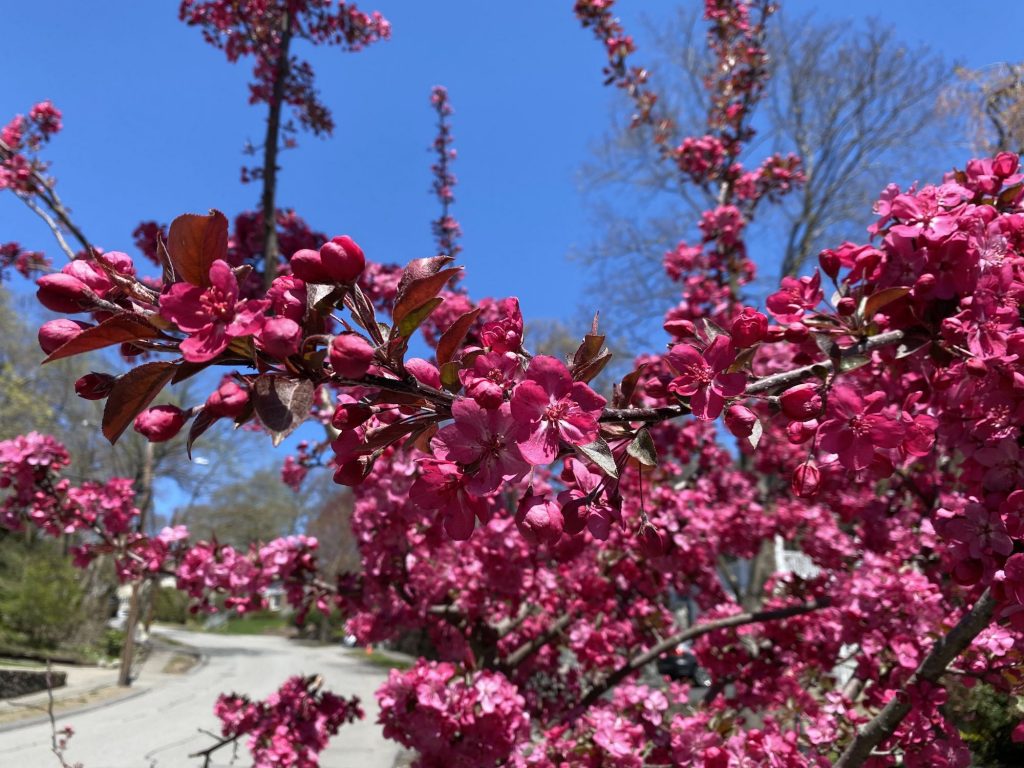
90, 687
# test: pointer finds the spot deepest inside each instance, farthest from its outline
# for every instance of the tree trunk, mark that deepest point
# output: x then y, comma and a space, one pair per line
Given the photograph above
270, 147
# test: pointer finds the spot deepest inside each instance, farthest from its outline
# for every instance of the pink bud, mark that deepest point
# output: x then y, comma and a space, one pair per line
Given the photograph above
796, 332
353, 472
350, 415
425, 372
740, 420
1005, 164
806, 480
342, 259
652, 541
65, 293
94, 386
680, 329
54, 334
924, 286
798, 432
307, 265
539, 519
120, 262
229, 399
749, 328
829, 261
90, 274
802, 402
975, 366
846, 306
350, 355
160, 423
280, 337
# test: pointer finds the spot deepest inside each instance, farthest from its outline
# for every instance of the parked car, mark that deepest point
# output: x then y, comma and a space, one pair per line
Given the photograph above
681, 664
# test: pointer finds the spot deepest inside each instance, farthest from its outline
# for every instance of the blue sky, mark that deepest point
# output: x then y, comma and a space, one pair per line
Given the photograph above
155, 121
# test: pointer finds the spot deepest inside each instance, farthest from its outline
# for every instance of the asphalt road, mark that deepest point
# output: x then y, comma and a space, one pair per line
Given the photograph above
160, 727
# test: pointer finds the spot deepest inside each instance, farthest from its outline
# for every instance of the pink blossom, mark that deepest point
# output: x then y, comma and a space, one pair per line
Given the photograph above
481, 441
704, 377
550, 407
211, 316
855, 427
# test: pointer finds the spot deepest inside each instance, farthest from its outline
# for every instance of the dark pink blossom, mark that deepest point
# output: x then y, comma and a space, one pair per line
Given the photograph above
211, 316
855, 427
704, 377
442, 487
550, 407
481, 440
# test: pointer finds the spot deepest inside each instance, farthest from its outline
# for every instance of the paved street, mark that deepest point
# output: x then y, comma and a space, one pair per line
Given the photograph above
159, 728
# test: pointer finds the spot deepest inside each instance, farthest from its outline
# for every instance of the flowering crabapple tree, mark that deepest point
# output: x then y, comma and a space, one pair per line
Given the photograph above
539, 532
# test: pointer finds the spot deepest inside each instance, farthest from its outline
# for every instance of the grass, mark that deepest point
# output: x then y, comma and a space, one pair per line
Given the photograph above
21, 663
255, 624
381, 658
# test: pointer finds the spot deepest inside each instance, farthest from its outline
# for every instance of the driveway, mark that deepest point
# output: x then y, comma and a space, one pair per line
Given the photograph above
160, 727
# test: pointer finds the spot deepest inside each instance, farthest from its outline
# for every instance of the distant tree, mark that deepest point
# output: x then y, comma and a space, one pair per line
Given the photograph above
991, 101
256, 507
836, 97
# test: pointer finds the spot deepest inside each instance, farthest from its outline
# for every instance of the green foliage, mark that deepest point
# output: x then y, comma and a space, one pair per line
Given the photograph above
170, 605
986, 718
40, 596
256, 623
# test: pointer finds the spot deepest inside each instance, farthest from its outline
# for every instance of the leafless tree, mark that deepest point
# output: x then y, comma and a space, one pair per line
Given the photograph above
991, 102
855, 103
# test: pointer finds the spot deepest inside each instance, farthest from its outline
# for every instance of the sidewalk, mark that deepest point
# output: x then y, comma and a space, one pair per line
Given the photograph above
90, 687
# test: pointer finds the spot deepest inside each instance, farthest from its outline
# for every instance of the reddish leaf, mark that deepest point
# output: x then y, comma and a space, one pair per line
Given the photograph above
114, 330
200, 424
420, 268
194, 242
131, 394
878, 300
419, 291
282, 403
452, 338
414, 319
624, 391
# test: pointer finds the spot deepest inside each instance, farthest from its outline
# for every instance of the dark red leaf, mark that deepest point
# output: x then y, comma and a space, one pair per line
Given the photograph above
131, 393
452, 338
282, 403
194, 242
419, 292
114, 330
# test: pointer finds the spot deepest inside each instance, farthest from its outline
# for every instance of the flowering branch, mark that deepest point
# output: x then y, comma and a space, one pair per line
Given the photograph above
932, 667
652, 653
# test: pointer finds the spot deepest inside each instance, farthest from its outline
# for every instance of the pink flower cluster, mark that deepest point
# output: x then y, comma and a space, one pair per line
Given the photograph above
291, 726
452, 720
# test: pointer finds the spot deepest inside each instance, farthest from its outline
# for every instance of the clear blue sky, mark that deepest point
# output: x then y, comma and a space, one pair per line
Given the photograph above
155, 120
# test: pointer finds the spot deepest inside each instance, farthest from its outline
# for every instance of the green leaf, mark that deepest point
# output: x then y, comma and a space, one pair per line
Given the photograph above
600, 454
282, 403
642, 448
408, 325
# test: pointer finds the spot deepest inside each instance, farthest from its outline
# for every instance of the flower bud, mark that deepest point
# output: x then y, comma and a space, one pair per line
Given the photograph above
94, 386
65, 293
280, 337
307, 265
354, 471
350, 355
802, 402
90, 274
798, 432
539, 519
652, 541
229, 400
924, 286
342, 259
796, 332
54, 334
120, 262
830, 264
160, 423
1005, 164
975, 366
806, 480
749, 328
680, 329
740, 420
350, 415
846, 306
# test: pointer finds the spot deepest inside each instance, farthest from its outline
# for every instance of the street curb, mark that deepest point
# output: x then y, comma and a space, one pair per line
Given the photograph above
58, 715
201, 662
